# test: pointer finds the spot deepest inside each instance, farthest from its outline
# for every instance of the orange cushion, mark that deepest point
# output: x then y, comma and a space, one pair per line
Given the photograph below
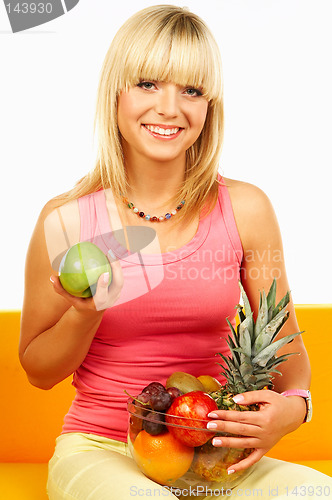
309, 441
33, 418
23, 481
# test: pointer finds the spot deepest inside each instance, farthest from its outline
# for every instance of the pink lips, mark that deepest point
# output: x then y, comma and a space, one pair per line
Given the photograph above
164, 137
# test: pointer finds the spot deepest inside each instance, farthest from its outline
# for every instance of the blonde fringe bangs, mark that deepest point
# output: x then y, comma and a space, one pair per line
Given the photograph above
161, 43
172, 50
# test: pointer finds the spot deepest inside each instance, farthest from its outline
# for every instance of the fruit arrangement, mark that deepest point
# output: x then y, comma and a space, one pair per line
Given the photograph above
167, 424
177, 412
81, 267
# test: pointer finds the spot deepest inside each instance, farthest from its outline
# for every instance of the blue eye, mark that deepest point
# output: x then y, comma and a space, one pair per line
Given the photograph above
146, 85
193, 92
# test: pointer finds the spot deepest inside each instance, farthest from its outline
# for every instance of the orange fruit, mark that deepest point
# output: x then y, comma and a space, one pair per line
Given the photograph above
162, 458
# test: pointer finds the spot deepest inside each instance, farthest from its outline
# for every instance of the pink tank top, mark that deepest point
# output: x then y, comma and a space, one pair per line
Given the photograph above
170, 317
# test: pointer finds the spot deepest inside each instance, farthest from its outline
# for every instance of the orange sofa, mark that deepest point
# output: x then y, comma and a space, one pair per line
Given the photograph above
31, 419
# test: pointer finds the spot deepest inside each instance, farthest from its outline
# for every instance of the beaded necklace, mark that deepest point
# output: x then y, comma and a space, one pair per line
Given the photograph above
148, 217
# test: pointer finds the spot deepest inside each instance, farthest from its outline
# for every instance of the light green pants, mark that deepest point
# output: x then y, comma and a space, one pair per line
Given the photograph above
89, 467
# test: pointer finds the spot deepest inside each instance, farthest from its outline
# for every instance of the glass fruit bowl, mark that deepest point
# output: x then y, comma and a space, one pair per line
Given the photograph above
177, 452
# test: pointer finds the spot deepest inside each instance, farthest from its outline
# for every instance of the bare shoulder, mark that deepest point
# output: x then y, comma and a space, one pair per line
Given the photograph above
244, 194
46, 216
61, 224
66, 208
253, 211
50, 235
56, 229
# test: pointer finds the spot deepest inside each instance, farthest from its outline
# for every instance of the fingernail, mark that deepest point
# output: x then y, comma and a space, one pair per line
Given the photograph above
211, 425
52, 280
212, 415
216, 442
106, 277
231, 471
238, 398
111, 254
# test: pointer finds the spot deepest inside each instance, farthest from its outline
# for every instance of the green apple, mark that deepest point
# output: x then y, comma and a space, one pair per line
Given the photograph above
81, 267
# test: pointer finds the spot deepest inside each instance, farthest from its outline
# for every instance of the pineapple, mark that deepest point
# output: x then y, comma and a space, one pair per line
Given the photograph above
253, 360
253, 348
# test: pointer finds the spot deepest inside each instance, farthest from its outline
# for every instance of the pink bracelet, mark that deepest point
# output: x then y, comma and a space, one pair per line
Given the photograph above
303, 394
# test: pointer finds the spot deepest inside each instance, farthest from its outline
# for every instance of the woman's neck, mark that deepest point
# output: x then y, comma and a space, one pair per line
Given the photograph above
152, 183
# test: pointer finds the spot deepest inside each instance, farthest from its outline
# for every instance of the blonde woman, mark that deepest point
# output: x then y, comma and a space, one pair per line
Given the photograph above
176, 262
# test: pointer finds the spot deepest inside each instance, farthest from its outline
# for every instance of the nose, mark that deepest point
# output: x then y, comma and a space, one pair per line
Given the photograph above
167, 103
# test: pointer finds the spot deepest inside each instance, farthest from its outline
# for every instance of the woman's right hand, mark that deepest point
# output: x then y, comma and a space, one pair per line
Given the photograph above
105, 295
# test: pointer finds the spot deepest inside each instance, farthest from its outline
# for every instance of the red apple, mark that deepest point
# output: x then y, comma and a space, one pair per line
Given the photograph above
191, 410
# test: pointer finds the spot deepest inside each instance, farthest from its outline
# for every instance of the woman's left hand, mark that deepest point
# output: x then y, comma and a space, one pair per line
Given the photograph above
261, 430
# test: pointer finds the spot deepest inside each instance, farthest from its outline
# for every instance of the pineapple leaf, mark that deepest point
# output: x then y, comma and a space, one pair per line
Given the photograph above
262, 317
250, 381
280, 359
268, 333
284, 301
275, 371
227, 361
240, 312
232, 328
271, 296
247, 324
271, 299
233, 343
261, 380
266, 354
246, 302
229, 365
252, 345
280, 324
246, 369
235, 355
245, 339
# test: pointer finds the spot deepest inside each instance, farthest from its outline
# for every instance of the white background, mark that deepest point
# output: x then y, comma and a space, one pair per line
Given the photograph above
278, 83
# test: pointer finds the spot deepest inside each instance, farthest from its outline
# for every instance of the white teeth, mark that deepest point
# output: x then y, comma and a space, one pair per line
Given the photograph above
162, 131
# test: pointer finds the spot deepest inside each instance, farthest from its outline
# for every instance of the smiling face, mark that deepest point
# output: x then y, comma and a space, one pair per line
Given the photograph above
152, 59
160, 120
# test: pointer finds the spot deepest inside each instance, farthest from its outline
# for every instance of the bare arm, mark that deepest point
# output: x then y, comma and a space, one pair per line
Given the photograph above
263, 260
56, 328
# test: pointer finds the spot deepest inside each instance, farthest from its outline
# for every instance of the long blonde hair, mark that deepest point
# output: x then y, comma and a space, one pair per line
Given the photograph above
160, 43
